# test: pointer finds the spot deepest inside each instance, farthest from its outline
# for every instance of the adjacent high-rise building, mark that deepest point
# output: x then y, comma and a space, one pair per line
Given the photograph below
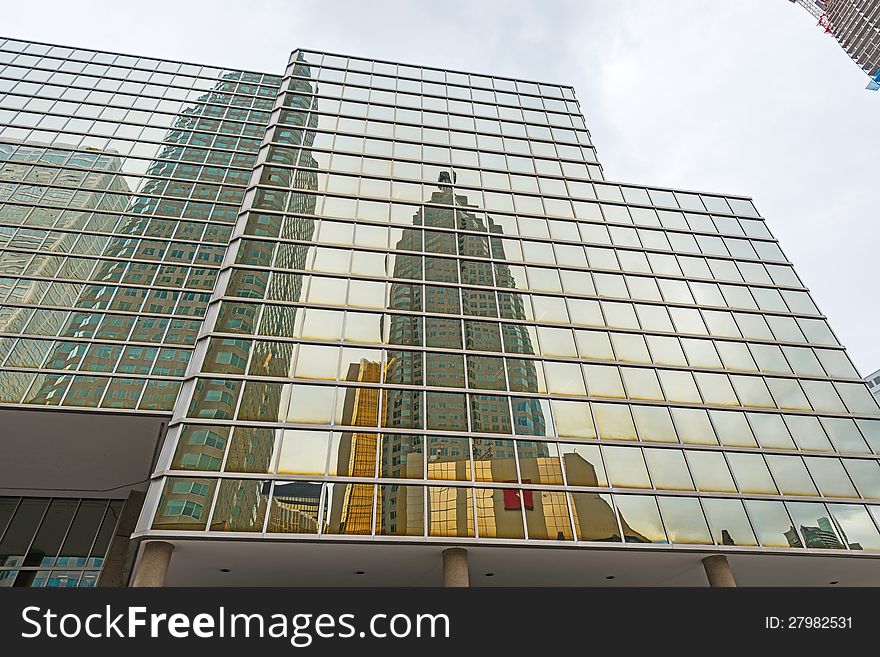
319, 327
856, 26
873, 381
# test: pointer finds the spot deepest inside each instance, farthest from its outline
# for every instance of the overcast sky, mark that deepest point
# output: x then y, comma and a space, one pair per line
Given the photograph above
744, 96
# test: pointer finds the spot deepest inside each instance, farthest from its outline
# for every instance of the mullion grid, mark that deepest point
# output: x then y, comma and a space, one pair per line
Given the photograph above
425, 433
80, 570
181, 293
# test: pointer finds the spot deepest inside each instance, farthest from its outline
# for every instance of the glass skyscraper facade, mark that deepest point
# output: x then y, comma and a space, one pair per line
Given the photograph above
386, 303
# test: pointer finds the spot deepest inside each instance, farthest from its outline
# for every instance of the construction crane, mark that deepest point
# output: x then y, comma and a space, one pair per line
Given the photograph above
817, 9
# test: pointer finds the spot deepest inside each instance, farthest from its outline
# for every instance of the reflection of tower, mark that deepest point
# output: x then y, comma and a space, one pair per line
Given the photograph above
352, 511
821, 536
90, 181
592, 509
266, 401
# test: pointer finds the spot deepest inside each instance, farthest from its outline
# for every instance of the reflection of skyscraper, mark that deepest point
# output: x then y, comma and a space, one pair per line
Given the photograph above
821, 536
352, 511
427, 317
115, 213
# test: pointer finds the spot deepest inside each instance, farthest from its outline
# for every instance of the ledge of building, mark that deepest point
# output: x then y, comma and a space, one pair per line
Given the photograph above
48, 452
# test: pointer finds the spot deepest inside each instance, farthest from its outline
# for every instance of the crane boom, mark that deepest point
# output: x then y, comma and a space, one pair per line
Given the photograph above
817, 10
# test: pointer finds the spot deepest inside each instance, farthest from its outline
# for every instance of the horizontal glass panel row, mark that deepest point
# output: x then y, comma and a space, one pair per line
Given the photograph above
407, 110
94, 357
143, 112
460, 85
221, 153
307, 59
444, 511
58, 244
115, 271
82, 221
87, 160
193, 147
50, 578
59, 532
98, 326
103, 179
448, 299
393, 161
106, 92
87, 391
63, 198
103, 297
404, 263
39, 51
405, 456
432, 146
358, 328
61, 72
372, 407
595, 232
481, 372
139, 124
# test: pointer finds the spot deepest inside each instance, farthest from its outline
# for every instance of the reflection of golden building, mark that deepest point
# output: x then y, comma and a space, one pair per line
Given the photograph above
295, 508
352, 511
499, 512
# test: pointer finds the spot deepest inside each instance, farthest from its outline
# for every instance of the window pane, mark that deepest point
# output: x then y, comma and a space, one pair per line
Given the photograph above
728, 522
539, 462
732, 428
626, 467
594, 517
668, 469
305, 452
494, 460
684, 520
866, 475
770, 431
791, 475
48, 539
251, 450
184, 504
548, 518
241, 506
710, 471
654, 424
640, 519
814, 523
583, 465
751, 473
772, 524
348, 509
614, 422
572, 419
294, 508
400, 510
499, 512
693, 426
448, 457
855, 524
830, 477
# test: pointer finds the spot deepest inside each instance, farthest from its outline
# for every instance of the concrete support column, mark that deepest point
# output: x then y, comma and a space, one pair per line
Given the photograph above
455, 567
120, 556
153, 566
718, 571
